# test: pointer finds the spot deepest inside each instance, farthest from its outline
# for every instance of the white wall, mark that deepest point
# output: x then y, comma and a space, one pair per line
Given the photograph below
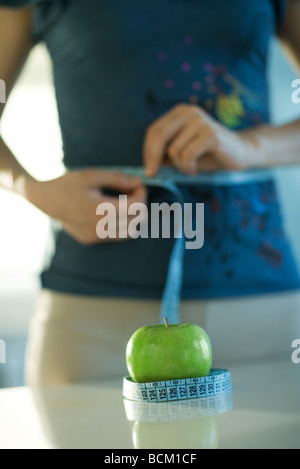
284, 110
30, 127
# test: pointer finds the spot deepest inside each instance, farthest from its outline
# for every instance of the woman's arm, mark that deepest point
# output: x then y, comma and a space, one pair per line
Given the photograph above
194, 141
74, 197
15, 45
281, 145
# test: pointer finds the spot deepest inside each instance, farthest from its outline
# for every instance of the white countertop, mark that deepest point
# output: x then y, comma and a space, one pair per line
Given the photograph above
265, 414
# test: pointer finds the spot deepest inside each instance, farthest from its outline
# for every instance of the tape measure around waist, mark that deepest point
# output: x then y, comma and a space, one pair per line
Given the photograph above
169, 179
218, 382
169, 174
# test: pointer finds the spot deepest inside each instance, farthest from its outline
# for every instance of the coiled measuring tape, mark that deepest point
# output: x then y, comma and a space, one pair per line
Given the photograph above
187, 409
218, 382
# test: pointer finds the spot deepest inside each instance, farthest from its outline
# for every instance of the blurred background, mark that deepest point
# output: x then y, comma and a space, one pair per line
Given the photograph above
30, 127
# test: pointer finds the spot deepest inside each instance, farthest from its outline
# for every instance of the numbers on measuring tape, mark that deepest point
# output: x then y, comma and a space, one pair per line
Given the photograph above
162, 394
192, 391
210, 388
216, 383
172, 393
152, 395
182, 409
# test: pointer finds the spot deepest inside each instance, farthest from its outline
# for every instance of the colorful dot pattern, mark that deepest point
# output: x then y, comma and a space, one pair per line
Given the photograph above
218, 91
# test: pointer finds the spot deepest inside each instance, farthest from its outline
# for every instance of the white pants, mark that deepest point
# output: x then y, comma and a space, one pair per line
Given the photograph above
76, 338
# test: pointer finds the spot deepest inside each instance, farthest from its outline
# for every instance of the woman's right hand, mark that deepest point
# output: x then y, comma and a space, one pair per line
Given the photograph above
74, 197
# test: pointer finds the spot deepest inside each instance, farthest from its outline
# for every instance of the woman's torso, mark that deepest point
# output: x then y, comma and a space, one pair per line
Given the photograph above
118, 65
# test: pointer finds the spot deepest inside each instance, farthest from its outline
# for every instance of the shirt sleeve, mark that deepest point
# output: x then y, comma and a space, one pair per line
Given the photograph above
15, 3
45, 14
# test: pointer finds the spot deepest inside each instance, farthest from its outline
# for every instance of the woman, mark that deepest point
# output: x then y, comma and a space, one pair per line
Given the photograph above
137, 82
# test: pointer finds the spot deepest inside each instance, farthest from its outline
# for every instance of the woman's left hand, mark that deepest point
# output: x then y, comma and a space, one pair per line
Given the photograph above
193, 141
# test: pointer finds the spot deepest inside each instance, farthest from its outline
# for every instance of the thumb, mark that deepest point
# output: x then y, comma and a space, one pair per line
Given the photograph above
111, 180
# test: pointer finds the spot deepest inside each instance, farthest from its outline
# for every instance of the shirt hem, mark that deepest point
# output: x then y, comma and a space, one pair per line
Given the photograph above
114, 291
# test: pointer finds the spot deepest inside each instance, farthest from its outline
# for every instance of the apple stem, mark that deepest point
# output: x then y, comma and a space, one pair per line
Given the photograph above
166, 322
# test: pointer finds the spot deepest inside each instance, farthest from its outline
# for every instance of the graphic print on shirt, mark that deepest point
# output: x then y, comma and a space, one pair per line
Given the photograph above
217, 91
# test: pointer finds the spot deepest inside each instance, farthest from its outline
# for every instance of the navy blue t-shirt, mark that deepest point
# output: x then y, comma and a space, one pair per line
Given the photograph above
119, 65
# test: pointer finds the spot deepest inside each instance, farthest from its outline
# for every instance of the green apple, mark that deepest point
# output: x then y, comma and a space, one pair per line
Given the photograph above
168, 352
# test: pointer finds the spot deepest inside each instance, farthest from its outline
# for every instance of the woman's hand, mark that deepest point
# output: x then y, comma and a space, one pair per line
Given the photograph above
193, 141
73, 199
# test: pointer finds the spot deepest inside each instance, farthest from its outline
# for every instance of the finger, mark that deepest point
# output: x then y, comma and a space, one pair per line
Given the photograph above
118, 219
188, 133
139, 195
110, 180
194, 150
159, 135
208, 163
114, 223
117, 226
81, 234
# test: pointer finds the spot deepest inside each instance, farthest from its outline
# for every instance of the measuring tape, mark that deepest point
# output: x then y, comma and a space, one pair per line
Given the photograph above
169, 178
179, 410
218, 382
170, 174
